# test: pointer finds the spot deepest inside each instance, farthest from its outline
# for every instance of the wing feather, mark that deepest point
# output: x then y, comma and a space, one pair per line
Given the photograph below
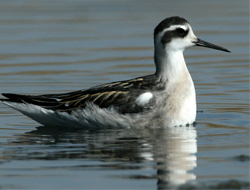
121, 95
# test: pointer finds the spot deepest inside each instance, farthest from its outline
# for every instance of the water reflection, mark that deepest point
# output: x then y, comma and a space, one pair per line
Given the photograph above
173, 151
168, 153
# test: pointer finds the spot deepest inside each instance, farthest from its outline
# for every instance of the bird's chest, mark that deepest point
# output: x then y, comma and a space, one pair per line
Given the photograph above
178, 106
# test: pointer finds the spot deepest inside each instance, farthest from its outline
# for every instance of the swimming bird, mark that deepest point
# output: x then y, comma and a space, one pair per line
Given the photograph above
167, 95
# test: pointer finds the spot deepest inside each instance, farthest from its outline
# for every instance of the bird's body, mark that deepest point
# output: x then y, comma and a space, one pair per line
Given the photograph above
167, 96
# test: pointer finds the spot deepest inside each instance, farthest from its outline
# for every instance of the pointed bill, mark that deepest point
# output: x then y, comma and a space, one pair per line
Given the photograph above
203, 43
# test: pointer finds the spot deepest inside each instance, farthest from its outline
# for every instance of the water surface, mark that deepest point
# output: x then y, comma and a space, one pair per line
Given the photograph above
50, 47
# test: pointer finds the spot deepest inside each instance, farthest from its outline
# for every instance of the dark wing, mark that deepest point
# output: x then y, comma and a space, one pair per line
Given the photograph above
121, 95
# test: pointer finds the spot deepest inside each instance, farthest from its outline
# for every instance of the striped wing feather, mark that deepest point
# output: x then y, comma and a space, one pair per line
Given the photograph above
117, 94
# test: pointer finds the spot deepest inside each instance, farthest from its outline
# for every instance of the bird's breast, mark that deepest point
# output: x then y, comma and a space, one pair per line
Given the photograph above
180, 103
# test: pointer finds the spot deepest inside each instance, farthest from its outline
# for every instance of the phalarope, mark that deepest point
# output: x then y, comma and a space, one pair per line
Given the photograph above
167, 95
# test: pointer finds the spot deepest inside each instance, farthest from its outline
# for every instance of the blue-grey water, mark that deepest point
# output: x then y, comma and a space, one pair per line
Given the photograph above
60, 46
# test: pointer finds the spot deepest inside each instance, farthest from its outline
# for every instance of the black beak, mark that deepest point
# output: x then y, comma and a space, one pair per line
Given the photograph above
202, 43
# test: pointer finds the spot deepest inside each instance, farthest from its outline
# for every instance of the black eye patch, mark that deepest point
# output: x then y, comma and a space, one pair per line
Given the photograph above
177, 33
181, 31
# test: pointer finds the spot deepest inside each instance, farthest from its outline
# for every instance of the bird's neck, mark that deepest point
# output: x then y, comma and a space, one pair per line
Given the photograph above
170, 65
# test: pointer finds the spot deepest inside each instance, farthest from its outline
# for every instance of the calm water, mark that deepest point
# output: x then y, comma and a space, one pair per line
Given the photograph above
60, 46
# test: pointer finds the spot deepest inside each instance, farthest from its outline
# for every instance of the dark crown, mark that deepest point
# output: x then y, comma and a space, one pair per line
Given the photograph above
166, 23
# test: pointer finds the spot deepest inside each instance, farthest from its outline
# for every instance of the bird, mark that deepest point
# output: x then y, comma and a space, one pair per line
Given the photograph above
168, 95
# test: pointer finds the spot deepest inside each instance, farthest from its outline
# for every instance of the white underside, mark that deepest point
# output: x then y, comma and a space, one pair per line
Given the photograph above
92, 117
44, 116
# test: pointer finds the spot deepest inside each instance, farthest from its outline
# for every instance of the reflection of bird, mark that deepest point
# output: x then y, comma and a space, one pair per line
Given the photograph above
169, 92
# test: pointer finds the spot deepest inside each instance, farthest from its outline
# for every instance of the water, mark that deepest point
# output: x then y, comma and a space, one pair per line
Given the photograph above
48, 47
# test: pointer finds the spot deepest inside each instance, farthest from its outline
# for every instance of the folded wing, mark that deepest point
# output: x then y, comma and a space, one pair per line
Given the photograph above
118, 95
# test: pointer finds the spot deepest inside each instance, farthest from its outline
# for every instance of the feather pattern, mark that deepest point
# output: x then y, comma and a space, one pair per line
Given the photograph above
120, 95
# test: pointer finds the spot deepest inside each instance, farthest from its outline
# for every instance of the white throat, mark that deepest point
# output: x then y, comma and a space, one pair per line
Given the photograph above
170, 64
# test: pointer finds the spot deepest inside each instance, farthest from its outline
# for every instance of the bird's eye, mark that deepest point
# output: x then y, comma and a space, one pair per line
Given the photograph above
181, 31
